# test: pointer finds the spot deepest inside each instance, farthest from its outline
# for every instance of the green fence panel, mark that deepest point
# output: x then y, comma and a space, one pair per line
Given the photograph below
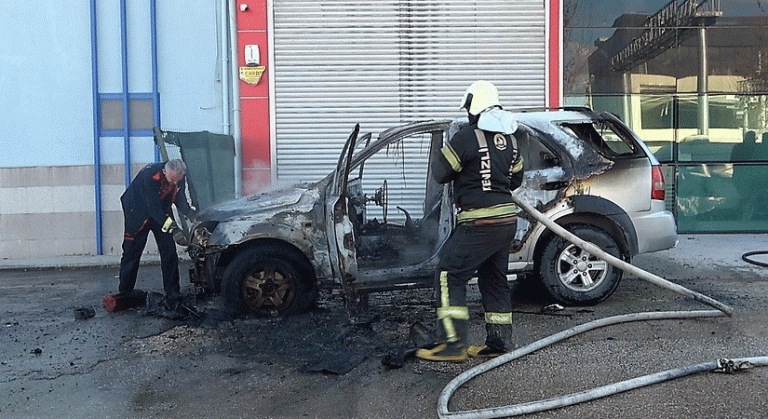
210, 160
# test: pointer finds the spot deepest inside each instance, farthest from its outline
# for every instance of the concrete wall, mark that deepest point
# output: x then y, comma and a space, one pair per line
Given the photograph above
49, 211
47, 191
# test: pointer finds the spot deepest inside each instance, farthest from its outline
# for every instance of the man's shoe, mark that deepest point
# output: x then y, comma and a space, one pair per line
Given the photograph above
484, 351
446, 352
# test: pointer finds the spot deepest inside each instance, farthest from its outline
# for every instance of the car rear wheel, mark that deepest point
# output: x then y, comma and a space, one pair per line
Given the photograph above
574, 276
268, 281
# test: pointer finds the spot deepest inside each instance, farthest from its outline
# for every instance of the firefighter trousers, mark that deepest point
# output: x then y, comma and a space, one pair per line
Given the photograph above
475, 249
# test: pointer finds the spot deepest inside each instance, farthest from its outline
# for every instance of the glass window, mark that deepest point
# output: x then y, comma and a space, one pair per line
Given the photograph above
722, 197
711, 139
602, 136
140, 112
111, 114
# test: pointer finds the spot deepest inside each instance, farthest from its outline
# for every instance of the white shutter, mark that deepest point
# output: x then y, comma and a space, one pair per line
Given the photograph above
384, 63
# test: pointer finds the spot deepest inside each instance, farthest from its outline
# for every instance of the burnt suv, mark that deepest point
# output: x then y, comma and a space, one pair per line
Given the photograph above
378, 221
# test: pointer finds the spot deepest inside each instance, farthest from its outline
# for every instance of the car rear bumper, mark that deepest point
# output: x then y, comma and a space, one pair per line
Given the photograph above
656, 230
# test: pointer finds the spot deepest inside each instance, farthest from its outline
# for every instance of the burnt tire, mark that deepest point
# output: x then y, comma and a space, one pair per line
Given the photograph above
268, 281
574, 276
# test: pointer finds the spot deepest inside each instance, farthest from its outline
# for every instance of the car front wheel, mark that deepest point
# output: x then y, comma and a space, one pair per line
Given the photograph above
574, 276
268, 281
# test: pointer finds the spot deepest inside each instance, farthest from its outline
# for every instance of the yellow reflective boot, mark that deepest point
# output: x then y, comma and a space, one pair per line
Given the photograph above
446, 352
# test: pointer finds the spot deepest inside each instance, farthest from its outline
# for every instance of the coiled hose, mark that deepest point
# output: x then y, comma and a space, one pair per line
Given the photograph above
587, 395
747, 257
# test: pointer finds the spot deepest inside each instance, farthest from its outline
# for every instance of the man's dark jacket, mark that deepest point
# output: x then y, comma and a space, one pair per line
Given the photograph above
149, 196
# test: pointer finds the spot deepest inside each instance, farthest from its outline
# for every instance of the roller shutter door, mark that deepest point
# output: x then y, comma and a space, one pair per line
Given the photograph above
384, 63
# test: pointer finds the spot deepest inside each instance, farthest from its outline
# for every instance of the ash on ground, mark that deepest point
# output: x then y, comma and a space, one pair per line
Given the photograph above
331, 337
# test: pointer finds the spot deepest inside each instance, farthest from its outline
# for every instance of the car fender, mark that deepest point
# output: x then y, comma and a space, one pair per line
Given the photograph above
585, 209
596, 205
237, 234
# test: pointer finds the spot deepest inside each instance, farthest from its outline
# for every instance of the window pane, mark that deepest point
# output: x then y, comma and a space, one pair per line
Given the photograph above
111, 114
600, 135
722, 197
141, 114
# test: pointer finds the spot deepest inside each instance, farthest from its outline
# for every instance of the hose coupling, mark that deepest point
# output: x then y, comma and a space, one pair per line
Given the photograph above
729, 366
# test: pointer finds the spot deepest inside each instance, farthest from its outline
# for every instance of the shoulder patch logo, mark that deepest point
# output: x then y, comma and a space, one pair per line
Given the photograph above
500, 141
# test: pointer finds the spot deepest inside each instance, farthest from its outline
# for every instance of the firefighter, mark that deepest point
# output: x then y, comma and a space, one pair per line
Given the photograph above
484, 164
147, 207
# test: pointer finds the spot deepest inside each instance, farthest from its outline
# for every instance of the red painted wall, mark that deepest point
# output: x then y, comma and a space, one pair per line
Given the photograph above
554, 66
254, 99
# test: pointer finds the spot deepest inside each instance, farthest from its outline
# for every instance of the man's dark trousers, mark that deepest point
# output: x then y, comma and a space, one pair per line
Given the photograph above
133, 246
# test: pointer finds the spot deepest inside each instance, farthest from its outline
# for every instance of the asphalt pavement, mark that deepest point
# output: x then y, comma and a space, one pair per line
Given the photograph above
136, 365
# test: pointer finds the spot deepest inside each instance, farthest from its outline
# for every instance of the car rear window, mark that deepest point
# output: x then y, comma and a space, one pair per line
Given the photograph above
602, 136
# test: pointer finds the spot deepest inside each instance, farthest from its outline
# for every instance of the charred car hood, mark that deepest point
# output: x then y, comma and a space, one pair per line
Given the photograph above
265, 202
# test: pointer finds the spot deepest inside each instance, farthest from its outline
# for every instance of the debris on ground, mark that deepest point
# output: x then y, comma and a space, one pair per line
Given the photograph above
418, 337
337, 363
183, 309
84, 313
178, 340
552, 308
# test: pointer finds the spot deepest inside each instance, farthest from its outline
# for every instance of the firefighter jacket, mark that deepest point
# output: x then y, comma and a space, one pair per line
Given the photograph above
149, 196
485, 167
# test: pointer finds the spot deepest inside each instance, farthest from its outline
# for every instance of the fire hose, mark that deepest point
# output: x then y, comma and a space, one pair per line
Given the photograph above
747, 257
726, 365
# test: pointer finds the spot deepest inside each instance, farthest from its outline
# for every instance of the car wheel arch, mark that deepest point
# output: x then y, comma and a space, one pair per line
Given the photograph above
598, 212
231, 252
611, 218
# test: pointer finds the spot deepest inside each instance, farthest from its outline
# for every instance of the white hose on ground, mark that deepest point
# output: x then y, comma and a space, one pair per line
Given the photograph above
587, 395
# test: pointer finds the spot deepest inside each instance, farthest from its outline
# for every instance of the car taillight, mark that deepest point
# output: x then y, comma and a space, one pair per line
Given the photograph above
657, 183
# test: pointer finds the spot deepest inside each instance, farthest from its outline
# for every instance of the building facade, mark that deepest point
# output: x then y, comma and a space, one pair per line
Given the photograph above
83, 84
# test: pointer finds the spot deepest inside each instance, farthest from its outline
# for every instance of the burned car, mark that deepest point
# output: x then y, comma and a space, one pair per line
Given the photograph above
378, 221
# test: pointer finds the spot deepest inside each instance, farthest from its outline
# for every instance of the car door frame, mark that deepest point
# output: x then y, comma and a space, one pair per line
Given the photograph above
340, 229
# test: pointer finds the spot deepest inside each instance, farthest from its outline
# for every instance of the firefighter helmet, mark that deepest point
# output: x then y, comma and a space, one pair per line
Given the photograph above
480, 96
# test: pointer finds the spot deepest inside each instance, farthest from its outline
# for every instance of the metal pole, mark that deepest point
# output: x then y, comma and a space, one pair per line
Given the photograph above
702, 85
155, 88
225, 62
126, 119
96, 129
626, 80
235, 98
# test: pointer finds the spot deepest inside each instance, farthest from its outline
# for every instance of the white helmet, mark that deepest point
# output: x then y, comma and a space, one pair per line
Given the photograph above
480, 96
